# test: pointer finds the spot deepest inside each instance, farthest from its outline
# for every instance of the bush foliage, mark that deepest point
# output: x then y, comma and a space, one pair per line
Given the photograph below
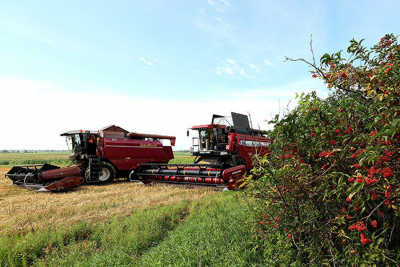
332, 180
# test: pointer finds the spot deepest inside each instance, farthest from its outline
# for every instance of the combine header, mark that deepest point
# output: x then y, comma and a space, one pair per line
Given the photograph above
223, 153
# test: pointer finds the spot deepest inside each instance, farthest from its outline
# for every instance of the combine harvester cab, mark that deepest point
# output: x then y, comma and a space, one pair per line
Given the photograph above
224, 152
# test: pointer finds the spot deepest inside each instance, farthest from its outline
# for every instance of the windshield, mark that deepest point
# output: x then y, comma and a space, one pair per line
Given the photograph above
69, 144
74, 144
211, 139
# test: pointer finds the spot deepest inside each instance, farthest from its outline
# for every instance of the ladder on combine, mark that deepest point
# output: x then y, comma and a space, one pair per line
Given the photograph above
94, 169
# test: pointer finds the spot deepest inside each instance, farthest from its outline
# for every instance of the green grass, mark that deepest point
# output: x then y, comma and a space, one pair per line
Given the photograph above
32, 161
217, 231
181, 154
119, 241
22, 155
215, 234
56, 158
61, 158
182, 160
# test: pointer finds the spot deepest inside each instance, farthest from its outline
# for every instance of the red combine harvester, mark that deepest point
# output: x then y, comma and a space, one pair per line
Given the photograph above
224, 150
97, 157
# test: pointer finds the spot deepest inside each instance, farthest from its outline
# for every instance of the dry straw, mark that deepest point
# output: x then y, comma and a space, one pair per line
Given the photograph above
22, 210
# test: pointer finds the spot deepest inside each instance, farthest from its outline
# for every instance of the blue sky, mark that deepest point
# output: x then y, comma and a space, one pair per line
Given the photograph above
164, 66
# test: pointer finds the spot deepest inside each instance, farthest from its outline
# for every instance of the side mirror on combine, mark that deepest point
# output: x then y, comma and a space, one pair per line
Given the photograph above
187, 132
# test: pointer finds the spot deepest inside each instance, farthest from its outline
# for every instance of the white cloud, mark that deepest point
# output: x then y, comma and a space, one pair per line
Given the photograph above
146, 62
255, 68
230, 67
225, 2
228, 70
268, 62
219, 5
199, 72
216, 28
212, 3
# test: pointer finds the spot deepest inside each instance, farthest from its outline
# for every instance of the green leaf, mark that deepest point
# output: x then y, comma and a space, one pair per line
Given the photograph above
352, 194
325, 59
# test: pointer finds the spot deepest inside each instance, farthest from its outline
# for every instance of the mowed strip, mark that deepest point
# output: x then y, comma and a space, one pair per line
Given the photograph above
22, 210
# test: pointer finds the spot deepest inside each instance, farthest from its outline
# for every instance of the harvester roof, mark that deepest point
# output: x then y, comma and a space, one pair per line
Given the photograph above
114, 128
78, 132
110, 128
208, 126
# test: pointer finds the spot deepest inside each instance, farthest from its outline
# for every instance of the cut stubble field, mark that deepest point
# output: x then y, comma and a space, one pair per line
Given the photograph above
22, 210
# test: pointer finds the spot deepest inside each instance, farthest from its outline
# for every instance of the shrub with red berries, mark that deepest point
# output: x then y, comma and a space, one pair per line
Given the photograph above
338, 194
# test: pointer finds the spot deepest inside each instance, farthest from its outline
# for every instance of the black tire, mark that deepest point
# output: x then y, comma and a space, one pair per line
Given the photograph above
107, 174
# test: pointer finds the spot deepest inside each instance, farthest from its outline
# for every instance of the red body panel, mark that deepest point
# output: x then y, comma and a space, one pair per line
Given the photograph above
60, 173
247, 146
169, 154
65, 183
233, 172
157, 136
128, 154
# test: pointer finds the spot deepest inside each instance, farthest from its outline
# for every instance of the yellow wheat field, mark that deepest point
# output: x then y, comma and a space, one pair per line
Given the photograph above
22, 210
